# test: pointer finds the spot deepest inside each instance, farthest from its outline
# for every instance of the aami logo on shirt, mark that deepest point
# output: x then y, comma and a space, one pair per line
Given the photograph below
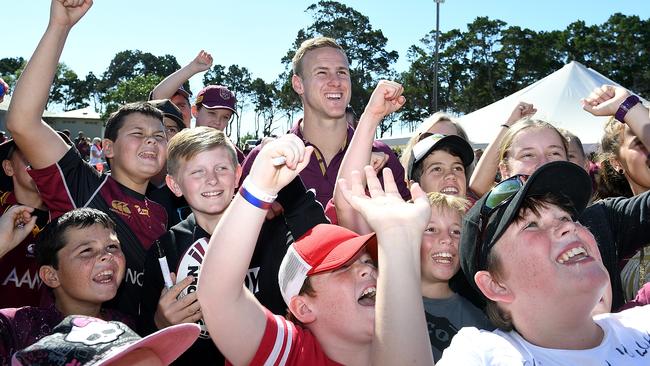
190, 265
120, 207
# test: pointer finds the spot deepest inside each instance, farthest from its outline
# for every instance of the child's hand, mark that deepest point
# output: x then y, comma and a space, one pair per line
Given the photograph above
604, 101
202, 62
385, 210
15, 224
270, 175
172, 310
67, 13
385, 99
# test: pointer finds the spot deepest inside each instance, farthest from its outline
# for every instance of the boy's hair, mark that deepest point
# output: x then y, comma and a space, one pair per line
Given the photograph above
418, 168
498, 316
116, 119
189, 142
448, 202
309, 45
53, 237
521, 125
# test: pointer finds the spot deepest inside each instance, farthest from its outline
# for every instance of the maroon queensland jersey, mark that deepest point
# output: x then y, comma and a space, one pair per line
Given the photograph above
72, 183
19, 281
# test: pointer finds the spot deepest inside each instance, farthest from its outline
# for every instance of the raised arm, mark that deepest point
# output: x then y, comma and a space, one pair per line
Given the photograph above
606, 100
385, 99
482, 178
401, 336
166, 88
40, 144
235, 319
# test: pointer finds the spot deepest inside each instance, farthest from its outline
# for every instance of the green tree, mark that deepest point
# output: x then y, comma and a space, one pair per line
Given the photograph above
10, 69
131, 90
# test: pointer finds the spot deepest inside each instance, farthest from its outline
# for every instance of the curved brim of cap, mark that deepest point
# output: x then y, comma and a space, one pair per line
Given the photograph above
218, 106
345, 251
168, 343
561, 178
423, 148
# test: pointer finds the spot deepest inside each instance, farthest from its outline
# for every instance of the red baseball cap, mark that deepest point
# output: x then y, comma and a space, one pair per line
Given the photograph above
324, 248
217, 97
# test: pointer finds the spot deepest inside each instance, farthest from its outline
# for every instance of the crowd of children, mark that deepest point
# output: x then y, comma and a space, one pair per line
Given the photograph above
320, 247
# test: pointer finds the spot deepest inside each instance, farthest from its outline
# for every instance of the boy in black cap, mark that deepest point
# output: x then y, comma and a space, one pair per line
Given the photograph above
542, 275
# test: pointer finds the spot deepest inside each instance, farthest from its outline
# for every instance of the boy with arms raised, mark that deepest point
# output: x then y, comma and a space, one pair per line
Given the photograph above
328, 277
134, 144
81, 260
203, 167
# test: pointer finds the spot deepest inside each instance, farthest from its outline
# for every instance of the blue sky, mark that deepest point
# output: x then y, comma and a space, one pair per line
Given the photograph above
256, 34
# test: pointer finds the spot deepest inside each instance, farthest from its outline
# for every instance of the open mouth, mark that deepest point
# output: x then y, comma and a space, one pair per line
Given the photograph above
147, 155
368, 297
443, 257
104, 277
334, 96
212, 194
450, 191
573, 255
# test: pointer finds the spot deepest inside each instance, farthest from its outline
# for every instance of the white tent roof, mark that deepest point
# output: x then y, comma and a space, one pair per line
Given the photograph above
83, 113
557, 99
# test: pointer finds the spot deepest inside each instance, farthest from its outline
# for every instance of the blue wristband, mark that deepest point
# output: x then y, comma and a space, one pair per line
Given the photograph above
254, 200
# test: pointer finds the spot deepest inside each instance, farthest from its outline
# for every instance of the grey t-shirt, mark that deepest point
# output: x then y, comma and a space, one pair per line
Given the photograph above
445, 317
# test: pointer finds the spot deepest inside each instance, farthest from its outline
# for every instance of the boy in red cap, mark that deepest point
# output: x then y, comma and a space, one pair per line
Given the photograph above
328, 277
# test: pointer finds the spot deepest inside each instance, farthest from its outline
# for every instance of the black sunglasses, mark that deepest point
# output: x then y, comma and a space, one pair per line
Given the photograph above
498, 196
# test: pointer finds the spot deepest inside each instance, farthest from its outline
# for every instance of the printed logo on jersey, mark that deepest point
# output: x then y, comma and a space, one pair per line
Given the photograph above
142, 211
121, 208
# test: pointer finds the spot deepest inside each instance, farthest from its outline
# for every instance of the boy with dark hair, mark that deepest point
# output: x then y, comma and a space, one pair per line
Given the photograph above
81, 261
135, 146
202, 167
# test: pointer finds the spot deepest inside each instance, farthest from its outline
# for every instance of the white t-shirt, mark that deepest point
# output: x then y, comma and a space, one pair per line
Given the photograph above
626, 342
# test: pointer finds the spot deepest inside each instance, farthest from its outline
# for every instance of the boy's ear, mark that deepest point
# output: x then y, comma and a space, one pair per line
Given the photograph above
8, 168
49, 276
296, 84
301, 309
107, 148
492, 288
195, 111
173, 186
238, 172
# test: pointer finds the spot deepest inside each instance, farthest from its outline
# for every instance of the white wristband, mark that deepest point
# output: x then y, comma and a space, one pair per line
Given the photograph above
249, 186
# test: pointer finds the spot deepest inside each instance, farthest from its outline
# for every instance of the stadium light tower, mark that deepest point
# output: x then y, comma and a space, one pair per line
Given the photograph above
435, 65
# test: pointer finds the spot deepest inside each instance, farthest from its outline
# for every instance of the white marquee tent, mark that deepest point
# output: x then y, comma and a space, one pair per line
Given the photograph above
557, 99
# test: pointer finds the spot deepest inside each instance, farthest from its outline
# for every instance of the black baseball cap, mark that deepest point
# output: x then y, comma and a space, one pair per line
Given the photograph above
561, 178
169, 110
431, 142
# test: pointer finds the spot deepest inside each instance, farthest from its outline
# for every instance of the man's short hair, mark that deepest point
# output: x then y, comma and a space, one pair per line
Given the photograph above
309, 45
53, 236
189, 142
116, 119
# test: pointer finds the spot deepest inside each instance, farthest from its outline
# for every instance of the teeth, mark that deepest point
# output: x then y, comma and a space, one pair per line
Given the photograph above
104, 276
211, 194
333, 95
442, 257
148, 154
370, 291
449, 190
443, 254
571, 253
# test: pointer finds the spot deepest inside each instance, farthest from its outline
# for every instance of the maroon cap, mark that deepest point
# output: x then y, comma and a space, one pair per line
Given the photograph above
216, 97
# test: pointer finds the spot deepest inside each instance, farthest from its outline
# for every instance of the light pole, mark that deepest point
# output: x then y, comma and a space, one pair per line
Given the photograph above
435, 65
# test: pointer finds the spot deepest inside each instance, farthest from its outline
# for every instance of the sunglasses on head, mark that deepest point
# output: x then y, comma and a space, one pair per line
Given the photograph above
424, 135
498, 196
